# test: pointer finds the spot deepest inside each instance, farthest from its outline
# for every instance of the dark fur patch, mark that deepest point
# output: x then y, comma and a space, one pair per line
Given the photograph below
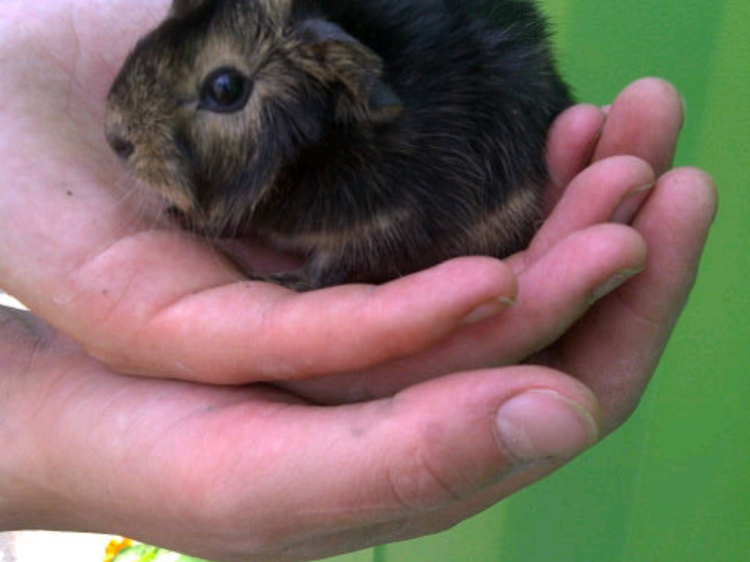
361, 110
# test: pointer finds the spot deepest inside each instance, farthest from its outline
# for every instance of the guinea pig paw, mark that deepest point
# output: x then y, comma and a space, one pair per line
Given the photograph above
295, 280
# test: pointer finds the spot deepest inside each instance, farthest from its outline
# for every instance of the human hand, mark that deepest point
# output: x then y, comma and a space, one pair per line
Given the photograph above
611, 180
150, 299
254, 472
158, 302
413, 463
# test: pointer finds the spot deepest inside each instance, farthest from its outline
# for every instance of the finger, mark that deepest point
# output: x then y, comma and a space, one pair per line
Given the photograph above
644, 121
356, 473
615, 348
571, 142
278, 480
594, 196
554, 292
375, 466
251, 331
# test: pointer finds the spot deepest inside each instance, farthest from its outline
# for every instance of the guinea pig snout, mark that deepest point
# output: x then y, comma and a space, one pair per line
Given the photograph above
118, 139
121, 146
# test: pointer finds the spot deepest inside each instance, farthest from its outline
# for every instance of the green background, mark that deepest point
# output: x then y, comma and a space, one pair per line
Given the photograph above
674, 483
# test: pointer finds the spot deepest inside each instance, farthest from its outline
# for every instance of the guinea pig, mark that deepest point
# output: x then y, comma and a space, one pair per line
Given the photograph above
373, 137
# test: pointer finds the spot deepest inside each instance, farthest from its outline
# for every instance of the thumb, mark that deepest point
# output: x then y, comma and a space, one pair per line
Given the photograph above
431, 448
463, 433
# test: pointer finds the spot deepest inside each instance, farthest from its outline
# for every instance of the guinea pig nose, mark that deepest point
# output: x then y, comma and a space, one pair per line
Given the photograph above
122, 146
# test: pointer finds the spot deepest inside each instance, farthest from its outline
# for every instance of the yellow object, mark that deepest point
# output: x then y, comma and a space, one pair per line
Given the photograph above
116, 546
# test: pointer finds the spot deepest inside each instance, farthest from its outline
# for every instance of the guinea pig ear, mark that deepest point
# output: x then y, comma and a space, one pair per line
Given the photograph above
332, 55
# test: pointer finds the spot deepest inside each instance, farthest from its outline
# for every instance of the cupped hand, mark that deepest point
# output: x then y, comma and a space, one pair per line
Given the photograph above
257, 473
617, 212
81, 250
157, 302
445, 425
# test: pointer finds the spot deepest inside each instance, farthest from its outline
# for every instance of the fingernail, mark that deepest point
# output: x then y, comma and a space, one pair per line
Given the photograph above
617, 280
543, 424
631, 203
488, 310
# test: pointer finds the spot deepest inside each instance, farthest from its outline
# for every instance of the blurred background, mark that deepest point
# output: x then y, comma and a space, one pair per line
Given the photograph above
674, 483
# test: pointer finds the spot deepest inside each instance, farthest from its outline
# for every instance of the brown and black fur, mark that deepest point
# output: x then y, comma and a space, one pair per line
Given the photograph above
379, 136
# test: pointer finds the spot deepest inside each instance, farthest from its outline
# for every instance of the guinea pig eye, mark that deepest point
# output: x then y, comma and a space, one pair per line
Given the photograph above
225, 90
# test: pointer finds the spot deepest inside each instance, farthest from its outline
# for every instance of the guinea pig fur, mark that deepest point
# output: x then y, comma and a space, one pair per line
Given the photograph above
373, 137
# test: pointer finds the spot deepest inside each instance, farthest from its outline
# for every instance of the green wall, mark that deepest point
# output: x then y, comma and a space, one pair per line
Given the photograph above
674, 483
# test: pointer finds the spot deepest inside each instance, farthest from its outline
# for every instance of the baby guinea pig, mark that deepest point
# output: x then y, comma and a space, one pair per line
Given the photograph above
373, 137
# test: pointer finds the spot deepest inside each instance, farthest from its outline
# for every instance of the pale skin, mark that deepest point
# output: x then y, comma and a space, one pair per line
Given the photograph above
431, 417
